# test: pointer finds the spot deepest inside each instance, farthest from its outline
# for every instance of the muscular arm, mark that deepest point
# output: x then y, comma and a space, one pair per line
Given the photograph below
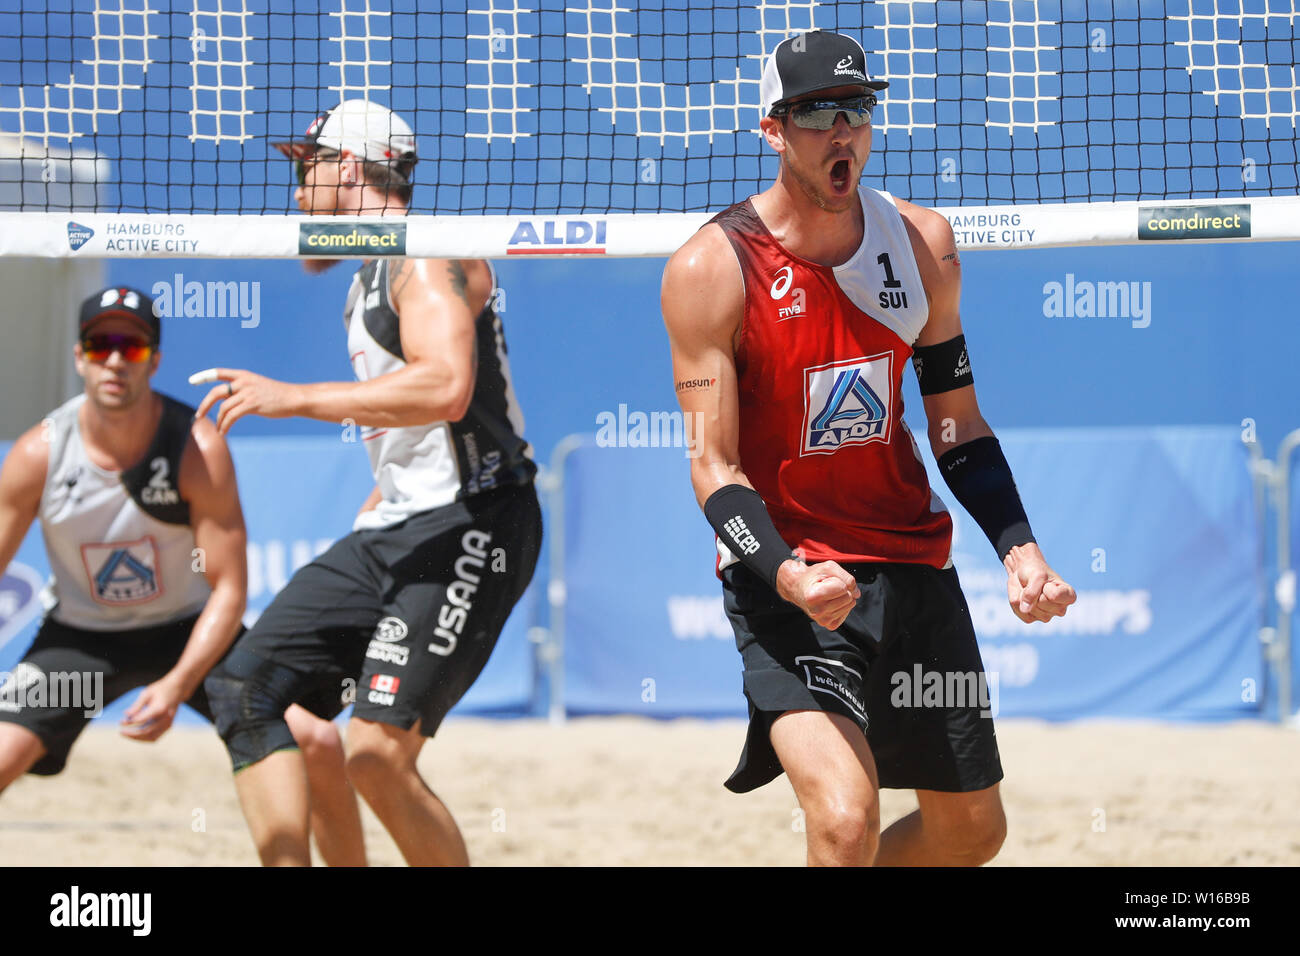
207, 482
1034, 591
703, 300
953, 417
22, 481
437, 301
437, 331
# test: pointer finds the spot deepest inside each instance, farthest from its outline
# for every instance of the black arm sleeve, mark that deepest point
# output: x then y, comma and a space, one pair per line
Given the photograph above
741, 520
943, 367
978, 474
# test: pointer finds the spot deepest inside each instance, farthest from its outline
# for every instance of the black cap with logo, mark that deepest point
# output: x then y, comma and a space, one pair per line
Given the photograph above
814, 61
120, 302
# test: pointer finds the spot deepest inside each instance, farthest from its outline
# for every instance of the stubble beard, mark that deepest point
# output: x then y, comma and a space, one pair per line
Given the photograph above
819, 197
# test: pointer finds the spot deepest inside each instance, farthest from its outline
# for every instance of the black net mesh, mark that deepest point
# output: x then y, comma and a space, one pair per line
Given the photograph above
611, 106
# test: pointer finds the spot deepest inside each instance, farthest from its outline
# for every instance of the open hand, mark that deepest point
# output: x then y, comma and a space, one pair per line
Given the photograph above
245, 393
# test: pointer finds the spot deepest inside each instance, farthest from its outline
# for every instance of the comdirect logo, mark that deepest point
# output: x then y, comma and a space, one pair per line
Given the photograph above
1229, 221
566, 236
346, 239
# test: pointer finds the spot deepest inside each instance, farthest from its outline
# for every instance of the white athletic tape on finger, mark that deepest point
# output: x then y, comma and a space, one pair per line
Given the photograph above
204, 377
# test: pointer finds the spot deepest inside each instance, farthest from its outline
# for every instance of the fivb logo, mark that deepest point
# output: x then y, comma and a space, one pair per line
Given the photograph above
780, 287
847, 403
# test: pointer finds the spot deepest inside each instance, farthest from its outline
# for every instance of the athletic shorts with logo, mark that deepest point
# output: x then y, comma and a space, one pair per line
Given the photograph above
126, 659
403, 618
911, 620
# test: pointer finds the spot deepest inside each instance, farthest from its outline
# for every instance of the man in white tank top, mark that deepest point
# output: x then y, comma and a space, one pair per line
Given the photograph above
130, 491
408, 607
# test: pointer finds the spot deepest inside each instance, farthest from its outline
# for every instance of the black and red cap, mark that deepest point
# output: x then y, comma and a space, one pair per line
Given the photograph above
121, 302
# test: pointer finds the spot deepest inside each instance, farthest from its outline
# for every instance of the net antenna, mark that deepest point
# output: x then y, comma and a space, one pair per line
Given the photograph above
607, 127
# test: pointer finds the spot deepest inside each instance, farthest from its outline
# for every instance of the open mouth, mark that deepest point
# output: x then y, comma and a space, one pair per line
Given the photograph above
840, 175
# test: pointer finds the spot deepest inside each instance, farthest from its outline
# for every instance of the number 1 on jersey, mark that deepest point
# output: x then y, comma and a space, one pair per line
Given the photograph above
890, 281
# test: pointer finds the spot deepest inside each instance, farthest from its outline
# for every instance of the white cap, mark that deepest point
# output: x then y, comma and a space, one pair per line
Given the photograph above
368, 131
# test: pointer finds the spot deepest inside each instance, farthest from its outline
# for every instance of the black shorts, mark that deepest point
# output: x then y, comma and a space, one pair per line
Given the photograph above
81, 672
401, 619
904, 666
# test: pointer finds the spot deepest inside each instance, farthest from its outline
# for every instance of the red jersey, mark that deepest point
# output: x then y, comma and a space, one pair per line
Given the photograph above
820, 365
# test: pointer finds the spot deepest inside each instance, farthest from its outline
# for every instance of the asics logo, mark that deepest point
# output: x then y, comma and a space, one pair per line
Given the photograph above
781, 285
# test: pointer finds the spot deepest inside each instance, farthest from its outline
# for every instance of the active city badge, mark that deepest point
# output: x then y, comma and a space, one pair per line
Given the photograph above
78, 235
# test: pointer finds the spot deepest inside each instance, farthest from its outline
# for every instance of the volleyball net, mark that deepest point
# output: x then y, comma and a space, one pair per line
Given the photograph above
554, 127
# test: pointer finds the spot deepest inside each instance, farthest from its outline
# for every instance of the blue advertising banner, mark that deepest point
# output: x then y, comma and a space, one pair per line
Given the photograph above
299, 495
644, 628
1155, 530
1153, 527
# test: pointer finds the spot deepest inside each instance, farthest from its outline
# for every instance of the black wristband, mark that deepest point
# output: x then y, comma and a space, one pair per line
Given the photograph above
978, 474
943, 367
741, 520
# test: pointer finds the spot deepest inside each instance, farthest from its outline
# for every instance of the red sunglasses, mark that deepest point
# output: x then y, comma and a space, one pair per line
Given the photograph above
97, 348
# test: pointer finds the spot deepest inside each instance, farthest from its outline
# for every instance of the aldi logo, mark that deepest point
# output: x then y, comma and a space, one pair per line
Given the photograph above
558, 236
123, 572
847, 403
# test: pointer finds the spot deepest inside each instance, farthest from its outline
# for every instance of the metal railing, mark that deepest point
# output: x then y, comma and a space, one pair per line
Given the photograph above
1284, 587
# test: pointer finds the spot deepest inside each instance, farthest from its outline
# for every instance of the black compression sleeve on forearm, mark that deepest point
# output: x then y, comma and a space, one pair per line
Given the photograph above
978, 474
741, 520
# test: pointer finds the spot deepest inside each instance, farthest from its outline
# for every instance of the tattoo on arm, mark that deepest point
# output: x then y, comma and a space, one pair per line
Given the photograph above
953, 257
695, 384
458, 280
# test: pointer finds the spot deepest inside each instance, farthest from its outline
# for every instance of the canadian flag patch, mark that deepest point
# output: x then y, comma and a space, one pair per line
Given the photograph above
385, 684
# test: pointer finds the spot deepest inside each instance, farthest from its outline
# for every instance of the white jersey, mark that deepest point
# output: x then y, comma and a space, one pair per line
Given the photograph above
120, 546
421, 467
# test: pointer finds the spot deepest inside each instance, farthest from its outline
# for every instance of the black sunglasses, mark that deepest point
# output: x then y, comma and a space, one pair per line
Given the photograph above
301, 166
821, 114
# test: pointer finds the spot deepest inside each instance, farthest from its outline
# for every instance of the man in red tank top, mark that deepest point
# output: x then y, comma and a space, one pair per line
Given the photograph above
790, 317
